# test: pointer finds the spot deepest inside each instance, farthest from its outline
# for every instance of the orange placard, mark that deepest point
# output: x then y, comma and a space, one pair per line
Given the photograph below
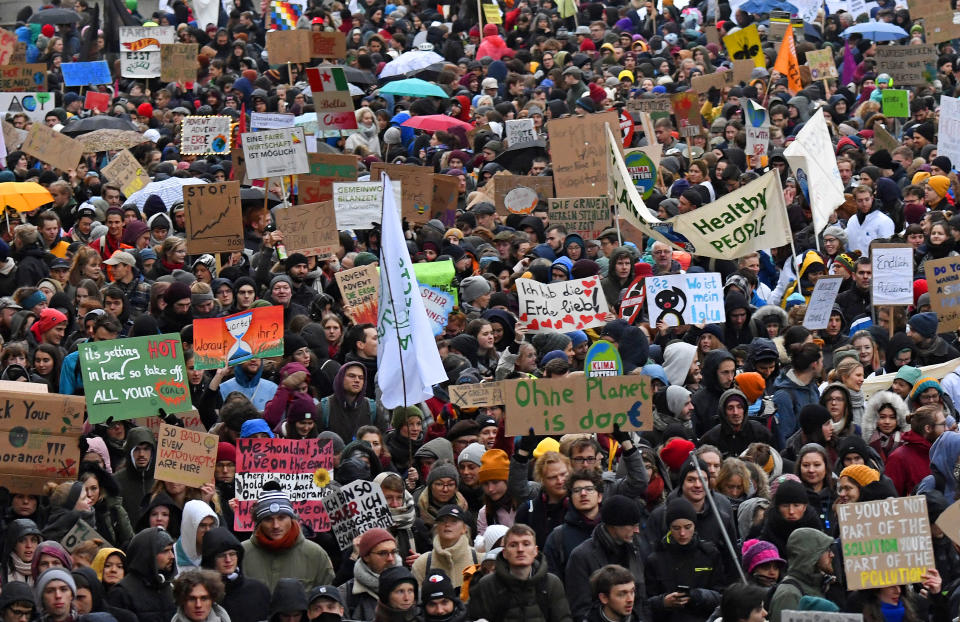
220, 341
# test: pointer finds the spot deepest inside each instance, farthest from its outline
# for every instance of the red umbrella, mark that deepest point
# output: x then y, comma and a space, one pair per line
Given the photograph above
435, 122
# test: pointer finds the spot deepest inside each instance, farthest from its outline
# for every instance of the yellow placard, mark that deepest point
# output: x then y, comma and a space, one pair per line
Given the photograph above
745, 43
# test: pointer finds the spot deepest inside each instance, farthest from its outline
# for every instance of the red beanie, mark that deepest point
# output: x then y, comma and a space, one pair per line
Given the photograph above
919, 289
145, 110
676, 452
372, 538
474, 32
48, 319
642, 269
587, 46
489, 30
48, 30
226, 453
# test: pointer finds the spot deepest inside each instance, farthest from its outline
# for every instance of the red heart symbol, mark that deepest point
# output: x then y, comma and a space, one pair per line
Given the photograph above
547, 323
558, 325
587, 290
567, 318
533, 325
589, 283
580, 325
586, 319
523, 317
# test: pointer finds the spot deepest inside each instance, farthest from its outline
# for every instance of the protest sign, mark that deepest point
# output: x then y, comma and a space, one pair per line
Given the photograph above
32, 77
942, 27
751, 218
892, 274
476, 395
885, 542
922, 9
603, 359
94, 100
633, 300
213, 217
39, 439
882, 139
586, 216
745, 44
446, 189
882, 382
303, 468
438, 305
50, 146
360, 288
949, 522
943, 280
519, 194
125, 171
289, 46
686, 109
140, 51
627, 126
12, 137
221, 341
416, 182
359, 203
578, 153
821, 302
178, 62
185, 456
907, 64
564, 306
355, 508
8, 45
191, 420
331, 45
948, 138
309, 228
642, 164
134, 377
331, 94
86, 74
437, 274
78, 534
335, 166
896, 103
34, 105
757, 127
275, 152
683, 299
520, 131
819, 616
656, 104
822, 65
203, 135
740, 72
271, 121
559, 406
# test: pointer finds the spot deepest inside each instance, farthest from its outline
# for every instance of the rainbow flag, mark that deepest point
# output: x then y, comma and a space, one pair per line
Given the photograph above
285, 14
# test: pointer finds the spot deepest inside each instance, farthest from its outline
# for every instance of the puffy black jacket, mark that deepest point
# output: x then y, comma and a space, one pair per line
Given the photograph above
144, 590
708, 529
87, 577
696, 565
596, 552
564, 538
708, 395
502, 597
246, 600
136, 483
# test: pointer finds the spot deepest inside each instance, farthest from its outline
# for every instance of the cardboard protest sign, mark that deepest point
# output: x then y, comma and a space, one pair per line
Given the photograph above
13, 137
32, 77
438, 305
309, 228
586, 217
740, 72
271, 121
302, 467
360, 288
948, 138
943, 280
446, 189
50, 146
895, 103
140, 50
185, 456
86, 74
191, 420
355, 508
682, 299
559, 406
416, 185
893, 274
949, 522
750, 218
519, 194
520, 131
656, 104
325, 168
289, 46
564, 306
213, 217
908, 65
885, 542
642, 164
359, 203
577, 152
275, 152
8, 44
96, 101
819, 616
745, 44
134, 377
822, 65
39, 439
757, 128
331, 95
686, 109
476, 395
78, 534
821, 302
203, 135
178, 62
943, 26
34, 105
125, 171
221, 341
328, 45
603, 359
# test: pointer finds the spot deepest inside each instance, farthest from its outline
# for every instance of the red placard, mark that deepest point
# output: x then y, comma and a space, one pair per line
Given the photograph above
97, 101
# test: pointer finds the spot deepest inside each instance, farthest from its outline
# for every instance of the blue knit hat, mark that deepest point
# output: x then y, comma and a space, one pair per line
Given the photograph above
923, 384
924, 324
255, 426
553, 354
577, 337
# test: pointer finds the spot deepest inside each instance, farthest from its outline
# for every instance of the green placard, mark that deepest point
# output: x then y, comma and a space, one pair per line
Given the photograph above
895, 103
603, 359
134, 377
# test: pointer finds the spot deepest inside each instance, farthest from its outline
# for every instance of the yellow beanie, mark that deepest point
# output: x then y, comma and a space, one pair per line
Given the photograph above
547, 444
861, 474
919, 177
940, 185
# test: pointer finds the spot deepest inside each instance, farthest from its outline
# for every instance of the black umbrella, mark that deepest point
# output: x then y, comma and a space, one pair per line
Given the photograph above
55, 16
430, 73
354, 75
518, 159
253, 195
98, 122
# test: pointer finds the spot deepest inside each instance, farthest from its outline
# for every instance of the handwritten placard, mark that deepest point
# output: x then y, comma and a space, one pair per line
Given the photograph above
416, 183
78, 534
943, 280
201, 135
213, 217
50, 146
271, 120
519, 194
185, 456
360, 288
895, 103
686, 109
125, 171
655, 104
683, 299
310, 228
178, 62
578, 152
520, 131
26, 77
140, 50
892, 274
821, 302
221, 341
8, 44
585, 216
477, 395
270, 153
289, 46
822, 65
907, 64
438, 305
359, 204
355, 508
563, 306
329, 44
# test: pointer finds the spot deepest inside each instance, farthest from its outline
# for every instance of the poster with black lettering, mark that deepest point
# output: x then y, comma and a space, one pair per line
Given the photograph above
892, 274
185, 456
682, 299
213, 217
356, 508
563, 306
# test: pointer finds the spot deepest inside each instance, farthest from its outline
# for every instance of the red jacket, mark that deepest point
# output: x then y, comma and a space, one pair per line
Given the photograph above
909, 463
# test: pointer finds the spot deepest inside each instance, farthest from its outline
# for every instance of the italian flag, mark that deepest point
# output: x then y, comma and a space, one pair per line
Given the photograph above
327, 79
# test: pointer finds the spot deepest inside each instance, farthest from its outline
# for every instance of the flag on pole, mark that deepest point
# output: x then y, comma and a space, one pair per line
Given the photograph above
408, 363
814, 164
327, 79
787, 63
849, 67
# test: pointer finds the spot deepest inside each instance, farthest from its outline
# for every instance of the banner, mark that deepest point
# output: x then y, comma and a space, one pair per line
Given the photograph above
309, 228
477, 395
134, 377
948, 138
125, 171
787, 63
821, 302
571, 405
220, 341
586, 217
358, 204
885, 542
213, 217
39, 435
822, 65
275, 152
683, 299
178, 62
908, 65
271, 121
360, 289
577, 150
751, 218
745, 43
185, 456
355, 508
943, 280
811, 156
205, 135
50, 146
302, 467
86, 74
34, 105
32, 77
882, 383
438, 305
893, 270
758, 128
140, 50
564, 306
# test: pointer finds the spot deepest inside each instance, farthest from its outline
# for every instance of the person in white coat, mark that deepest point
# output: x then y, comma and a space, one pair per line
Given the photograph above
868, 224
367, 134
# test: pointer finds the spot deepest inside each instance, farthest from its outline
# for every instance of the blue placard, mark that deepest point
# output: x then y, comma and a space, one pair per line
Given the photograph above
86, 74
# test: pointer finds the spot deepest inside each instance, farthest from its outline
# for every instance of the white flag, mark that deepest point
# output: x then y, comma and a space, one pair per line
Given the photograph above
408, 363
814, 164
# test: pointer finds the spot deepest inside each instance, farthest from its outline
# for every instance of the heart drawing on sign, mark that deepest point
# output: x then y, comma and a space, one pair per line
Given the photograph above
547, 323
533, 325
567, 318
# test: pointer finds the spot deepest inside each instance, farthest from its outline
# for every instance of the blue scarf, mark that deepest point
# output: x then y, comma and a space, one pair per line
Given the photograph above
893, 613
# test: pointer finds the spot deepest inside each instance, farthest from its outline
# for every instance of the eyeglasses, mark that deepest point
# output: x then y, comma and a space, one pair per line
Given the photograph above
445, 485
20, 613
385, 554
585, 459
835, 400
579, 490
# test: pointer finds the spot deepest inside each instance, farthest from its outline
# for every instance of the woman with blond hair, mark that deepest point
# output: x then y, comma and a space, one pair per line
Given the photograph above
367, 134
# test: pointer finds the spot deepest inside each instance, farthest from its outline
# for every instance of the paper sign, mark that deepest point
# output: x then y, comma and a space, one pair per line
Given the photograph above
603, 359
334, 166
191, 420
32, 77
882, 382
943, 280
740, 72
34, 105
558, 406
39, 439
655, 104
745, 44
178, 62
948, 138
882, 139
302, 467
520, 131
683, 299
438, 274
330, 92
757, 127
185, 456
50, 146
885, 542
519, 194
416, 184
329, 45
819, 616
892, 274
275, 152
222, 341
563, 306
949, 522
355, 508
476, 395
96, 101
821, 302
586, 217
908, 65
289, 46
141, 53
822, 65
309, 228
78, 534
203, 135
896, 103
134, 377
438, 305
359, 203
578, 154
8, 44
633, 300
213, 217
86, 74
360, 289
686, 109
270, 120
125, 171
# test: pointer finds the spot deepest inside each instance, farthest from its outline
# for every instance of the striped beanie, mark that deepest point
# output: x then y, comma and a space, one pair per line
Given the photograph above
271, 503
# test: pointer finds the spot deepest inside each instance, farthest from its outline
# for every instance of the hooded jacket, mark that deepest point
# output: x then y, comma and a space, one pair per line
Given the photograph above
803, 552
695, 565
612, 286
346, 417
144, 590
176, 514
15, 530
732, 336
575, 530
136, 483
882, 443
723, 436
502, 597
256, 388
790, 397
943, 456
909, 463
804, 286
245, 599
288, 596
708, 395
304, 560
194, 512
87, 577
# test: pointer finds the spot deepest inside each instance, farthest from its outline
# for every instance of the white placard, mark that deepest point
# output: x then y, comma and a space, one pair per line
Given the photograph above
680, 299
520, 131
270, 120
892, 275
355, 508
821, 302
948, 138
275, 152
359, 203
140, 49
34, 105
201, 135
563, 306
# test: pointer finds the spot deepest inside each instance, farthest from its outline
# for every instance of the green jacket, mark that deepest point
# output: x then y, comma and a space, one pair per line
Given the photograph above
804, 548
502, 597
304, 560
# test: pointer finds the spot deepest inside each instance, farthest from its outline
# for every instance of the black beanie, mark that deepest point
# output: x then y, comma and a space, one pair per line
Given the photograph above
812, 417
688, 466
619, 511
294, 259
680, 508
292, 342
790, 492
391, 578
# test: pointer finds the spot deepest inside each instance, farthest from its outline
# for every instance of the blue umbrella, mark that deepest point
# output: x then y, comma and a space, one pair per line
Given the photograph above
876, 31
767, 6
414, 87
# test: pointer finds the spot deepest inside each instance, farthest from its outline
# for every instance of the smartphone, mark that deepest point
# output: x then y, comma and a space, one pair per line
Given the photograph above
684, 589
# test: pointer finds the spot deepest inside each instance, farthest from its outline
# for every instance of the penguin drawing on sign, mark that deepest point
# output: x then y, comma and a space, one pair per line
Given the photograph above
671, 302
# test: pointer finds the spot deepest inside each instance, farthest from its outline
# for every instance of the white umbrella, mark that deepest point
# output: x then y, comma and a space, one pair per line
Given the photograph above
409, 62
170, 190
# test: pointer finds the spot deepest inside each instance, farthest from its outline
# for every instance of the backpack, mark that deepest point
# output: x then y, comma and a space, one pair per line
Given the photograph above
768, 599
767, 417
325, 411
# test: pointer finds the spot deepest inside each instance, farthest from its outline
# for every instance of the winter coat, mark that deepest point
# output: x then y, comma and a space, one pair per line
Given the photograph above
98, 594
136, 483
304, 560
909, 463
695, 565
493, 46
453, 560
112, 521
561, 542
360, 593
708, 529
31, 266
790, 397
883, 444
595, 553
145, 591
803, 552
707, 397
777, 530
347, 417
502, 597
876, 225
217, 614
728, 441
194, 512
245, 599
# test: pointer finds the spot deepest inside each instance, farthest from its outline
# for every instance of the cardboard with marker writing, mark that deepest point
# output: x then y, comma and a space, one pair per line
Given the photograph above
50, 146
519, 194
578, 153
417, 187
309, 228
213, 217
